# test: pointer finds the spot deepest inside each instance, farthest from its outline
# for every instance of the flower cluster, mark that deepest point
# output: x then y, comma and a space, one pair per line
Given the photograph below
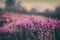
35, 27
30, 23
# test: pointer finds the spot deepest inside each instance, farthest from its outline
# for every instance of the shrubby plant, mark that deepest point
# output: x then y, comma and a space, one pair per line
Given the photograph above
29, 28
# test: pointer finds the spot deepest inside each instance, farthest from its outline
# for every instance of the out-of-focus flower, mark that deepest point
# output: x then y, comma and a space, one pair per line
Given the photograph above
30, 23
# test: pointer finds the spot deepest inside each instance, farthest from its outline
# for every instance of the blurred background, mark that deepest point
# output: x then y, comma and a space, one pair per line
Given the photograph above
38, 7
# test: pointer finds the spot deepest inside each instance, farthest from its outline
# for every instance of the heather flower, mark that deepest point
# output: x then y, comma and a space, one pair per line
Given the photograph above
30, 24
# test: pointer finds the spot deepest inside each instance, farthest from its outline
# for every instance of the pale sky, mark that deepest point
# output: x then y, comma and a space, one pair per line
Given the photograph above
38, 4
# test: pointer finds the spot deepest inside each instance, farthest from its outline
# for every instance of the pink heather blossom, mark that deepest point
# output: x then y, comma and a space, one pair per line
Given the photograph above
28, 22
